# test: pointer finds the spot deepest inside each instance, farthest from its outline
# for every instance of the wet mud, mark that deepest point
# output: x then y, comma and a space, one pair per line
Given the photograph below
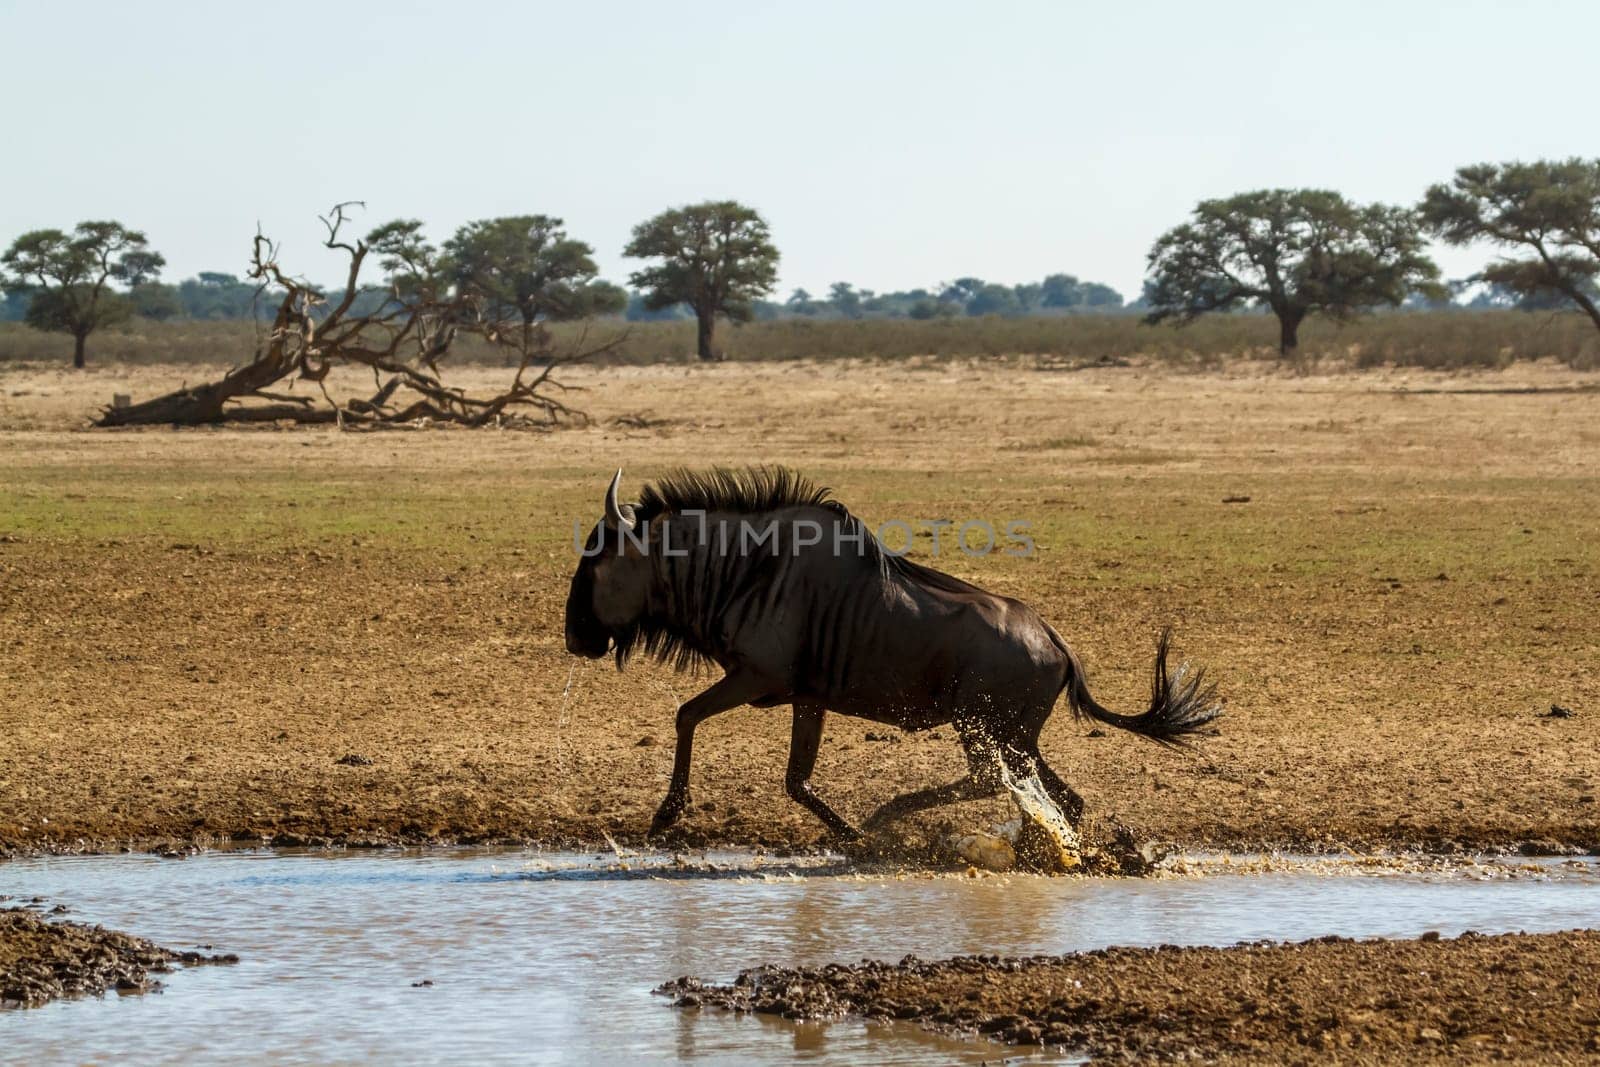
1519, 997
43, 960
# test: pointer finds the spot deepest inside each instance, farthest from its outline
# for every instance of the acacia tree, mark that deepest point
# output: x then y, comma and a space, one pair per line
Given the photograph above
1061, 291
71, 276
527, 265
717, 257
845, 299
1549, 207
1292, 251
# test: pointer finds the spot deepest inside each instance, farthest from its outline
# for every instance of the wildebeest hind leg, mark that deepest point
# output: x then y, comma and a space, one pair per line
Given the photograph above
982, 780
804, 741
968, 788
1066, 798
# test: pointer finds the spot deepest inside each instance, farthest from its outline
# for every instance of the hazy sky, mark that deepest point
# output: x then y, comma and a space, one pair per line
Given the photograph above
891, 145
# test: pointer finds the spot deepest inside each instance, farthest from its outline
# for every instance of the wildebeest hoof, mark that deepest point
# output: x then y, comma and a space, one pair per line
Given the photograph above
665, 819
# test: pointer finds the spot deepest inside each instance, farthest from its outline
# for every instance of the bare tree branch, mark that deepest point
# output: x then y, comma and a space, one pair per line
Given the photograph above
402, 342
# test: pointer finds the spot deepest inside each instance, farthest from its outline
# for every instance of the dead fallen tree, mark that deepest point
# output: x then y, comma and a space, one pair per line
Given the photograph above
401, 341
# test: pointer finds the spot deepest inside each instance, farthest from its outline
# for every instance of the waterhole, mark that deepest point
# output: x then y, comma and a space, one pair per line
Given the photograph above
476, 955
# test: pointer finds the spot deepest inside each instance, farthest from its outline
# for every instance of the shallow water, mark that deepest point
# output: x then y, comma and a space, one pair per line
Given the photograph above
540, 957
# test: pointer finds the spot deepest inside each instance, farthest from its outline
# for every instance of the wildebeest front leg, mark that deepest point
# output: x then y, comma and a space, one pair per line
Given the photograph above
804, 742
729, 693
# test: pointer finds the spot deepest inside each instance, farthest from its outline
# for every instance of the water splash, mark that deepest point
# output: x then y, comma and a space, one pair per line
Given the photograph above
997, 851
561, 719
1034, 803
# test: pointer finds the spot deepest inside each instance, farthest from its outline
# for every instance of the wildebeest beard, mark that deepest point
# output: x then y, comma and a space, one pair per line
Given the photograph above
661, 641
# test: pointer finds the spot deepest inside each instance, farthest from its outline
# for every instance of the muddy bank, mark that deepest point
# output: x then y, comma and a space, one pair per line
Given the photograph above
42, 960
1516, 996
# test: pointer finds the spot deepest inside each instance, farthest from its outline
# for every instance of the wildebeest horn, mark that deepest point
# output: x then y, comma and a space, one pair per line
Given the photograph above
616, 513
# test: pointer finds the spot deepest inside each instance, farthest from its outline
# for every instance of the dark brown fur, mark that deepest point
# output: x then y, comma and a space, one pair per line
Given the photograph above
861, 631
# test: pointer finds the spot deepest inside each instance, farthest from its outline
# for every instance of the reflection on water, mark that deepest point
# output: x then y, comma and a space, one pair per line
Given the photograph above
537, 957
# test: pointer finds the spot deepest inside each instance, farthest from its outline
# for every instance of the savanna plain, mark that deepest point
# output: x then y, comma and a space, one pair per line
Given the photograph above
312, 637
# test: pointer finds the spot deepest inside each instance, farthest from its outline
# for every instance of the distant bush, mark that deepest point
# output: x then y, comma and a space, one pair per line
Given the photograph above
1445, 339
1416, 339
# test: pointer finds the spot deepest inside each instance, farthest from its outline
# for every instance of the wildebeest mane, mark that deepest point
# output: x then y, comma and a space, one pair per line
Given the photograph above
748, 490
743, 491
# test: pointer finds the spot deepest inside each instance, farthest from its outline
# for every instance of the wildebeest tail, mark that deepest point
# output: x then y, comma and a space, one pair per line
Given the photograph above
1181, 701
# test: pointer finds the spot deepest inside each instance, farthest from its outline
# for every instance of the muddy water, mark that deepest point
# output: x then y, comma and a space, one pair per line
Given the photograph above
551, 958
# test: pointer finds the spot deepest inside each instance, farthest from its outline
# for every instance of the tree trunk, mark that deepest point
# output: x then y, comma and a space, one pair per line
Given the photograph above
1563, 283
192, 406
1289, 330
1586, 305
77, 350
527, 337
706, 334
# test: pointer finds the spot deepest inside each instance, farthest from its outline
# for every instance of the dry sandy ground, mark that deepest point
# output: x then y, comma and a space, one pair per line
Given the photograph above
306, 635
1524, 998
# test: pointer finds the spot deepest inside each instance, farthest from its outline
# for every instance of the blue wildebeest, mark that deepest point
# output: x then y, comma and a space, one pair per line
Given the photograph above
766, 576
